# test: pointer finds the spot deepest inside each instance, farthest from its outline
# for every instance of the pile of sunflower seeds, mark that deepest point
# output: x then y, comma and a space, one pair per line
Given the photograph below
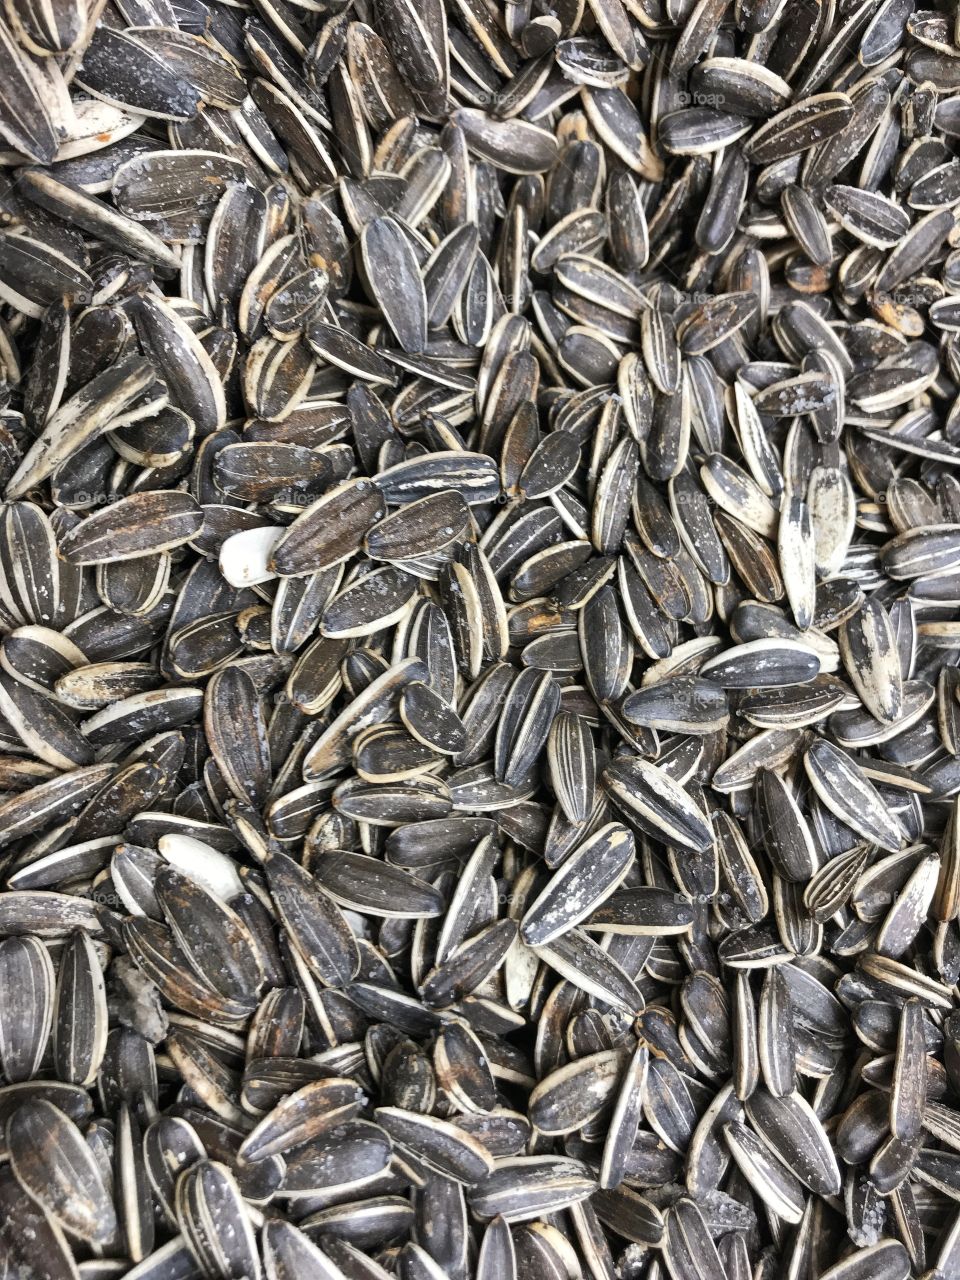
479, 640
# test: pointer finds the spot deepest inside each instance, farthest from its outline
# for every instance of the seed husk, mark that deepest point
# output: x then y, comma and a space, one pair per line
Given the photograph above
478, 576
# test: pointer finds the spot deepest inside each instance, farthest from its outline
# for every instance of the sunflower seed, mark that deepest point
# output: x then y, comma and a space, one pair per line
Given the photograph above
477, 579
55, 1166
